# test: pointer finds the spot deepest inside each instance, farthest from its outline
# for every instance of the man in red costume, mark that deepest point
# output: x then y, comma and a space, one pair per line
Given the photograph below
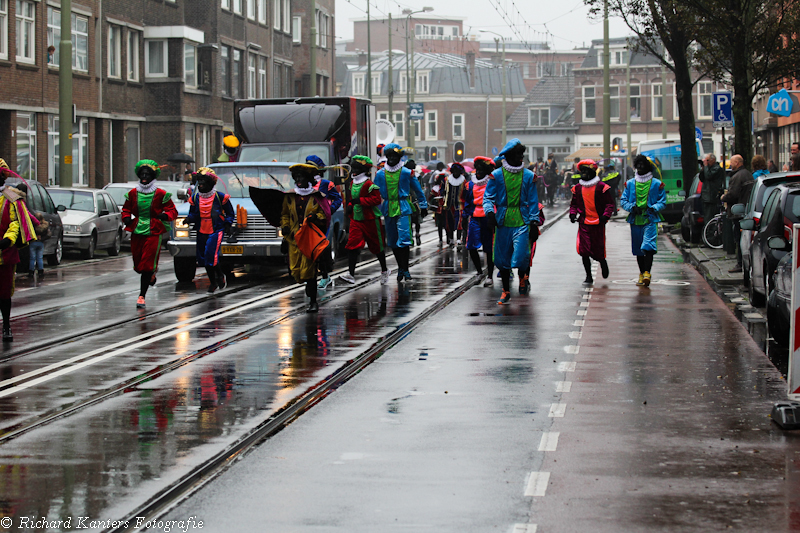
592, 206
479, 234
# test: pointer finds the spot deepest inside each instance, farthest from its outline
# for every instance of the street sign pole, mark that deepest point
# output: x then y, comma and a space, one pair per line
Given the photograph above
723, 148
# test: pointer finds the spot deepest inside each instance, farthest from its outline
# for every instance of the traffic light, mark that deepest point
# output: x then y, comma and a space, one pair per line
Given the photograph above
434, 153
458, 151
616, 144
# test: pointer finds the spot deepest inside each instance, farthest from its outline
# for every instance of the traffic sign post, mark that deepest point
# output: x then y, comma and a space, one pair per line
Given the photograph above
723, 110
416, 111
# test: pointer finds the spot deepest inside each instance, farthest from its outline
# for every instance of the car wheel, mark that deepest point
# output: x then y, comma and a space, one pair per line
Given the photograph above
185, 268
115, 248
686, 232
54, 259
746, 277
756, 299
88, 253
775, 326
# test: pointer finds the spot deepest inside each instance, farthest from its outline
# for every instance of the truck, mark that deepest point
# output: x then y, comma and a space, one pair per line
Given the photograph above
277, 133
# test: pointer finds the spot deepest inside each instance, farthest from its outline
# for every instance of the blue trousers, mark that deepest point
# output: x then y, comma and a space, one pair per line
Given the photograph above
398, 231
644, 238
478, 234
511, 248
209, 247
36, 250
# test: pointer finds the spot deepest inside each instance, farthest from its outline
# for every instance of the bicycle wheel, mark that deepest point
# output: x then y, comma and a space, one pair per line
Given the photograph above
712, 233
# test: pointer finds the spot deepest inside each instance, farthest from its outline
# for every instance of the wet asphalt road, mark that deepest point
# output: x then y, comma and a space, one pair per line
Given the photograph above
444, 431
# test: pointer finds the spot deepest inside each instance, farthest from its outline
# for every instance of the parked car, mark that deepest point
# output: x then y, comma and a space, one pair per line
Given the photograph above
779, 301
693, 221
759, 193
258, 241
38, 200
92, 220
119, 190
781, 210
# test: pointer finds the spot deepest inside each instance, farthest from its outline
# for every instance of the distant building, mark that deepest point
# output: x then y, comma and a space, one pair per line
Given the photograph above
536, 61
773, 135
462, 99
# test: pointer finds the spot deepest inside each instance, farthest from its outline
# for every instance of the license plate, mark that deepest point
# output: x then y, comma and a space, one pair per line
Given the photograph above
233, 250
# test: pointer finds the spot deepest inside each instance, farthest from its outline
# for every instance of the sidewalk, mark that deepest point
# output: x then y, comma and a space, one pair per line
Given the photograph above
711, 263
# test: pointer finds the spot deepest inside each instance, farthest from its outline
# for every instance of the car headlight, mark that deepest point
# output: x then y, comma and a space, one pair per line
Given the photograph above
71, 229
180, 223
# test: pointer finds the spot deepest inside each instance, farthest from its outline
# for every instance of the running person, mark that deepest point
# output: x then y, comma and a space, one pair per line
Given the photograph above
479, 234
328, 190
592, 206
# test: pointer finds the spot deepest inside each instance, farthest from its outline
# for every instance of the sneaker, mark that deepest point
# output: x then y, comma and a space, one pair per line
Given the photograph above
384, 277
504, 298
588, 281
604, 269
153, 279
222, 281
140, 302
407, 275
313, 307
489, 282
7, 336
400, 276
348, 277
212, 287
325, 282
524, 286
737, 268
419, 240
641, 280
646, 279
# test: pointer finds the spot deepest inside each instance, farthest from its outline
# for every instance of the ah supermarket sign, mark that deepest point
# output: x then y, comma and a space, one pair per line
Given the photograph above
782, 103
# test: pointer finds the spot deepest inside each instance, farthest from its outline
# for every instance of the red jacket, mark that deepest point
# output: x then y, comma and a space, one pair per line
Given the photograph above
161, 203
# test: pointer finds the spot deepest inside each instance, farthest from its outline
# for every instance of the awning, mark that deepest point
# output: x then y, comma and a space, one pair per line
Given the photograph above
585, 153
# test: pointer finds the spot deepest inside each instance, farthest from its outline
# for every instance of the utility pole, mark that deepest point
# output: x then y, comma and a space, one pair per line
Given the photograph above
503, 65
411, 85
312, 56
664, 102
628, 127
606, 89
369, 55
65, 97
391, 75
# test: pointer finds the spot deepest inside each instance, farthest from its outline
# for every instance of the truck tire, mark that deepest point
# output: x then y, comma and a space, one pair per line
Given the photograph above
185, 268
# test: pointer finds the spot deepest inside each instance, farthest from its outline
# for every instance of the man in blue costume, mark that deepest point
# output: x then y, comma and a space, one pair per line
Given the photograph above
396, 183
511, 204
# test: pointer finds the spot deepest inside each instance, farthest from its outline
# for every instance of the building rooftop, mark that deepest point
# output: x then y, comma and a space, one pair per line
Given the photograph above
555, 92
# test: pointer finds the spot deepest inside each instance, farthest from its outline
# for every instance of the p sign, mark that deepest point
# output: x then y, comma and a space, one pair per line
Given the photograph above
723, 110
782, 104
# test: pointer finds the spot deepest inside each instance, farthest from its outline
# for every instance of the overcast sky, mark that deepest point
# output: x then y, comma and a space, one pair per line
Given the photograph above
564, 24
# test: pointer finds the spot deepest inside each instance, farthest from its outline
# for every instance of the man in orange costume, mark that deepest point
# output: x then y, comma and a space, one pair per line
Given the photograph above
592, 206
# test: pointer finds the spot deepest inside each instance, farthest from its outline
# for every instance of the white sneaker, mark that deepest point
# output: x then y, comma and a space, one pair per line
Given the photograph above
384, 277
348, 277
324, 283
489, 282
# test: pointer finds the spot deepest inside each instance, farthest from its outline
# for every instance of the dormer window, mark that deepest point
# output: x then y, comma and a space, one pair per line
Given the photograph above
538, 116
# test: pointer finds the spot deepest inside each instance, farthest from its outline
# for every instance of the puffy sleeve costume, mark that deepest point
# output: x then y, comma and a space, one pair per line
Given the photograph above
210, 213
593, 205
649, 194
297, 208
395, 186
366, 225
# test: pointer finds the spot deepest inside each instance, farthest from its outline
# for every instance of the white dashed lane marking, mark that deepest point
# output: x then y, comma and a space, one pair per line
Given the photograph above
563, 386
573, 349
524, 528
537, 484
549, 441
575, 334
566, 366
557, 410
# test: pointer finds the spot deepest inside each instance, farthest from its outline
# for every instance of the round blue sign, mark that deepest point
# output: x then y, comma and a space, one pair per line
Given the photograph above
698, 133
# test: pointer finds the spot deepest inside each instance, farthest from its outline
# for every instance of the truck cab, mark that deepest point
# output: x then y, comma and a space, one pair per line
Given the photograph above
255, 240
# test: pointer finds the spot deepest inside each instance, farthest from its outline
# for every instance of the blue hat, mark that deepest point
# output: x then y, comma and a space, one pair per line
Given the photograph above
392, 147
315, 160
510, 145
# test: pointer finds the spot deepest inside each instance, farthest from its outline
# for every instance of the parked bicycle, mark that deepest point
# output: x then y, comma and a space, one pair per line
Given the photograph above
712, 231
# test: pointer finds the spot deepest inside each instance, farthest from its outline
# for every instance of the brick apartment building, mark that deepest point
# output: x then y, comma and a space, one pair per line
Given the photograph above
773, 135
150, 78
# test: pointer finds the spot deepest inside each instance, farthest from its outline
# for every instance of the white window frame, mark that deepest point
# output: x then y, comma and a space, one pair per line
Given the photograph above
276, 14
402, 83
432, 120
114, 52
618, 56
226, 5
614, 99
52, 148
584, 100
262, 77
287, 16
399, 124
460, 123
701, 94
189, 141
359, 79
541, 72
655, 95
4, 29
637, 96
189, 65
252, 65
297, 29
26, 29
376, 83
80, 152
537, 112
322, 29
31, 133
566, 69
423, 78
236, 73
252, 9
526, 70
415, 125
262, 11
225, 69
237, 7
78, 36
133, 55
165, 65
54, 34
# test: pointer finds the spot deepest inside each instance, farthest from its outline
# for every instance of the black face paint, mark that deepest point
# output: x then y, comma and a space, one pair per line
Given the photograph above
587, 173
301, 179
146, 175
204, 184
515, 156
357, 168
642, 167
393, 157
456, 171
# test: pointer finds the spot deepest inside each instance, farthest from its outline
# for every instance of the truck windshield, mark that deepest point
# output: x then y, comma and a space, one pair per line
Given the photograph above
237, 180
283, 153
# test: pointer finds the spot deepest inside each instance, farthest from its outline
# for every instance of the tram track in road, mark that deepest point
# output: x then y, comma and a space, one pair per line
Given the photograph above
21, 382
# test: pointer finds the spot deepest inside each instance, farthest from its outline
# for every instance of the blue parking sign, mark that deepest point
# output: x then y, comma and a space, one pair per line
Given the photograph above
722, 114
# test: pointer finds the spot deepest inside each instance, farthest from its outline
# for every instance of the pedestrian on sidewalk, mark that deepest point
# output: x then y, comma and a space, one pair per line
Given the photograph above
511, 204
42, 229
479, 235
366, 225
212, 214
738, 191
144, 213
396, 183
592, 207
328, 190
304, 205
644, 199
713, 179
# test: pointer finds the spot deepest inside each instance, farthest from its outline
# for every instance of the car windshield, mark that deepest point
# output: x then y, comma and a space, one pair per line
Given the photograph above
77, 200
237, 180
764, 192
283, 153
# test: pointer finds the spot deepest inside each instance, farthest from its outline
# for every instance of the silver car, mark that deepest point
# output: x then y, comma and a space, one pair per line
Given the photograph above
92, 220
178, 189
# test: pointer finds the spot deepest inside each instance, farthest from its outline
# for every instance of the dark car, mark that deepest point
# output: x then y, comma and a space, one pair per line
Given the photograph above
38, 201
692, 221
781, 210
779, 302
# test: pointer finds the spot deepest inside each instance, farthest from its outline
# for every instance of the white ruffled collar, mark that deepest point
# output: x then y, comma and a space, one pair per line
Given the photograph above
306, 191
512, 169
476, 181
455, 182
359, 179
590, 182
393, 169
146, 189
208, 194
644, 178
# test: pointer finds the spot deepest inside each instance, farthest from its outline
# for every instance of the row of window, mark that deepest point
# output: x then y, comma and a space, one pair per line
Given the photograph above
592, 93
430, 125
422, 85
547, 69
26, 148
428, 31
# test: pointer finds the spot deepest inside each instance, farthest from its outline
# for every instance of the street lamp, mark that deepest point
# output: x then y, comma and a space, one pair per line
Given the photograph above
411, 74
503, 63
